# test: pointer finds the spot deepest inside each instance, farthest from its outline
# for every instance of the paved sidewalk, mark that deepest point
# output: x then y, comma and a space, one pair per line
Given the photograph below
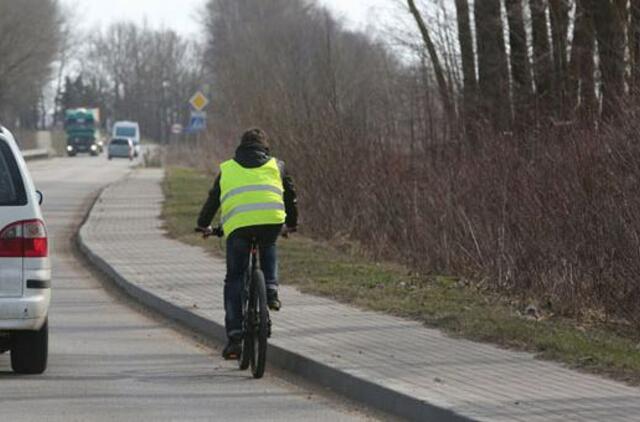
398, 365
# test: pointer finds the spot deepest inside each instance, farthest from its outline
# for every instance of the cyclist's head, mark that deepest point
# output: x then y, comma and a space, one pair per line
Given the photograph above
255, 137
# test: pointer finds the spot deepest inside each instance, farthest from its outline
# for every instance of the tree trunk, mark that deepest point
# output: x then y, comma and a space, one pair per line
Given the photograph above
433, 55
581, 94
634, 47
542, 62
610, 23
559, 13
520, 66
492, 64
468, 58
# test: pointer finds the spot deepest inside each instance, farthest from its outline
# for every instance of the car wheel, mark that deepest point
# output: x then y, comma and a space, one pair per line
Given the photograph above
29, 350
5, 344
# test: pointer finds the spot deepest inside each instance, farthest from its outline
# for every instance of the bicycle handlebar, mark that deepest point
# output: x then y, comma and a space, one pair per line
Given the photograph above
219, 232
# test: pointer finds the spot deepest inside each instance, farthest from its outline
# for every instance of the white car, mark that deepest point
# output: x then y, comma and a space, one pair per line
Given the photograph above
25, 268
120, 147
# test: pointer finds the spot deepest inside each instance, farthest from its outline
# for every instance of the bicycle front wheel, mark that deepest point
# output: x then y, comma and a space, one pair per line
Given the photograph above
248, 312
261, 323
247, 351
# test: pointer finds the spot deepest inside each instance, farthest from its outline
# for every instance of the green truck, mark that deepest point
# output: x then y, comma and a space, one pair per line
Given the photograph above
82, 126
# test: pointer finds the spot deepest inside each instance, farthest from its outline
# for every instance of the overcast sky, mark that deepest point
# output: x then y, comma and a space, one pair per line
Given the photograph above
182, 15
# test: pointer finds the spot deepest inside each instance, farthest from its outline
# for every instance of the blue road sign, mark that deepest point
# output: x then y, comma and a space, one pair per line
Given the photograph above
197, 123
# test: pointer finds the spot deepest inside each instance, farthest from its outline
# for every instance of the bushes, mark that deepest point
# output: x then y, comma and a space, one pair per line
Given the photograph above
560, 224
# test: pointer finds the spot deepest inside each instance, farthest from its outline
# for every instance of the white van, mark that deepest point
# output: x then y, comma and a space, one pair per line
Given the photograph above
131, 130
25, 268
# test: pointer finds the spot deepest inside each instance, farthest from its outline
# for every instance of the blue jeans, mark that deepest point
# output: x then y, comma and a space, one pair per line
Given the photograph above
238, 250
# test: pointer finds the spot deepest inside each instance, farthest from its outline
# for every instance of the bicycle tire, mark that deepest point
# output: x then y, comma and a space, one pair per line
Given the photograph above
258, 298
247, 341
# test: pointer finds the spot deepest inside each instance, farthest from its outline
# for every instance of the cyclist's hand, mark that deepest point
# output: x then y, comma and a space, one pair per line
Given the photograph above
205, 231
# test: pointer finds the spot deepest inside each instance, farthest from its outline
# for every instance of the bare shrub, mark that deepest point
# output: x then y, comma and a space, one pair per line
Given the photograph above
153, 157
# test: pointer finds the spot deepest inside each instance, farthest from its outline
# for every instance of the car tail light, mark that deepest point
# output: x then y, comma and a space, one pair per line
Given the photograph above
24, 239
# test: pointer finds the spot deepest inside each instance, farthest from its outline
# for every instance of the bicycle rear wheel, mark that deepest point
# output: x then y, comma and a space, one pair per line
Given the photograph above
258, 306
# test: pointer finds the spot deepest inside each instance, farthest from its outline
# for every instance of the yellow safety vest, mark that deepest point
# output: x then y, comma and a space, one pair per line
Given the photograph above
250, 196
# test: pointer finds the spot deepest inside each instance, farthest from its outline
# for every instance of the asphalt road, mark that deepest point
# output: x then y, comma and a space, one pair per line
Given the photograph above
109, 361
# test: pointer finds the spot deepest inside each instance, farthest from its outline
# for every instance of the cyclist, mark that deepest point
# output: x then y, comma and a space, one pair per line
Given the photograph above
257, 200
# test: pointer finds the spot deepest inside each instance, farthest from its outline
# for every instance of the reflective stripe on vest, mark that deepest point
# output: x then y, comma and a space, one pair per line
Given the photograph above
251, 207
252, 188
250, 196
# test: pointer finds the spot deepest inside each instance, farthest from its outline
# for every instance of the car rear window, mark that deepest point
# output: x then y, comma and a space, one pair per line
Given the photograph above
129, 132
120, 142
12, 191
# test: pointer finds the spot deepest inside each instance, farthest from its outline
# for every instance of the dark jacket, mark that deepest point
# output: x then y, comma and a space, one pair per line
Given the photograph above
252, 156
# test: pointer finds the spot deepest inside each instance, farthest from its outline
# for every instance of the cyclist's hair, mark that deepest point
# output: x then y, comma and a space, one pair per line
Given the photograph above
255, 136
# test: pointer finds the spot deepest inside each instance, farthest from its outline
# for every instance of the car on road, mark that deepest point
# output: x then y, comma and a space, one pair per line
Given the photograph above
121, 147
25, 267
131, 130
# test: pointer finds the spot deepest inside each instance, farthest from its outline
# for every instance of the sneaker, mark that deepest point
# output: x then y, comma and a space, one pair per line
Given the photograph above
272, 300
233, 349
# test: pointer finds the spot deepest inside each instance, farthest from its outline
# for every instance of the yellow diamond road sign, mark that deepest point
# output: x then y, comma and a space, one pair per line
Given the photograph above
199, 101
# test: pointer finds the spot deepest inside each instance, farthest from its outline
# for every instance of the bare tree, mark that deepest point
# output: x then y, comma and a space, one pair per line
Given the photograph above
634, 46
542, 58
520, 65
581, 82
66, 53
150, 75
492, 64
610, 19
435, 60
559, 13
28, 47
468, 59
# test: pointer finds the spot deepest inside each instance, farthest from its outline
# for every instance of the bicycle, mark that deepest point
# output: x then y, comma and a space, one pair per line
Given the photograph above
256, 322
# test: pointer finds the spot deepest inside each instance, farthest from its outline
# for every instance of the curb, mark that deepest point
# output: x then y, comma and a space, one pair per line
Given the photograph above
365, 392
35, 154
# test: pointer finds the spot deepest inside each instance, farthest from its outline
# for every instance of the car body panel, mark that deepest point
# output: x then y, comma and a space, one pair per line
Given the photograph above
11, 278
27, 312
